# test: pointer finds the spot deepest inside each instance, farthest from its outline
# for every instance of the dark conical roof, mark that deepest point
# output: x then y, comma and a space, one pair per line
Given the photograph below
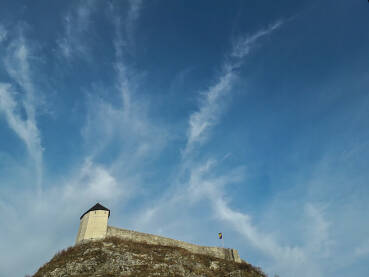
97, 207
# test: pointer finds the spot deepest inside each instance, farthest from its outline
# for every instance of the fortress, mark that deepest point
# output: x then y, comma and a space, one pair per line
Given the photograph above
94, 226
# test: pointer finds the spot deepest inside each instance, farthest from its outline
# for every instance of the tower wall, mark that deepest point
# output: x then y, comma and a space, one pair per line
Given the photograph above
93, 225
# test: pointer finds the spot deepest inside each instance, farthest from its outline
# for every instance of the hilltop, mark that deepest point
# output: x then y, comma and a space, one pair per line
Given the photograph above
114, 256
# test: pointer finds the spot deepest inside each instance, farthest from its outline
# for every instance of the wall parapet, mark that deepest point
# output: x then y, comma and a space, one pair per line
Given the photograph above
218, 252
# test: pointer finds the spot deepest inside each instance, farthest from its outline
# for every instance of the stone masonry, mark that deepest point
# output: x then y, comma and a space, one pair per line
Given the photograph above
94, 225
218, 252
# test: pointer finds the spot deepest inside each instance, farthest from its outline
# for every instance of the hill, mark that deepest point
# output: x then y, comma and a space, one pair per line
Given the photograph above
117, 257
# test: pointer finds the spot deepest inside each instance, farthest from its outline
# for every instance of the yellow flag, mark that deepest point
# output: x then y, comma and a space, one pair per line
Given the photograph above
220, 235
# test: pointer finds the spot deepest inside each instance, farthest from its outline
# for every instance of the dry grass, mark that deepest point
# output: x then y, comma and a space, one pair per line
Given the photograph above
158, 255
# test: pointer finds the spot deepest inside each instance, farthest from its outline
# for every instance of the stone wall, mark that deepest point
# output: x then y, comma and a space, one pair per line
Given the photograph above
218, 252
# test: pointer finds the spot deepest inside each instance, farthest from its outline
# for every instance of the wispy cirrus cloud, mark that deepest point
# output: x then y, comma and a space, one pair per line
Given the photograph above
201, 181
93, 182
320, 241
22, 212
18, 67
125, 26
211, 105
76, 22
205, 184
135, 7
362, 250
89, 182
292, 259
207, 116
3, 33
244, 44
212, 100
126, 124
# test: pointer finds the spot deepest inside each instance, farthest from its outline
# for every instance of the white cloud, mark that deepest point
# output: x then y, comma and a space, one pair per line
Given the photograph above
363, 249
212, 102
93, 183
133, 14
126, 127
243, 45
126, 124
125, 27
77, 23
204, 182
3, 33
124, 88
50, 223
318, 227
203, 186
201, 121
65, 43
17, 65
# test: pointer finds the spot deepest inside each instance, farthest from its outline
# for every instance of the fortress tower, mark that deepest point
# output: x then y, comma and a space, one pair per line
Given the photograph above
93, 223
94, 226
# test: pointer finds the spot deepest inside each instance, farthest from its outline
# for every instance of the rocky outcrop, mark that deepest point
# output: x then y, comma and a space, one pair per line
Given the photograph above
116, 257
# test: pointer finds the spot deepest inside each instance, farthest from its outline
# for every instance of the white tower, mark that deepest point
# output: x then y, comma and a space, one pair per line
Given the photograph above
93, 224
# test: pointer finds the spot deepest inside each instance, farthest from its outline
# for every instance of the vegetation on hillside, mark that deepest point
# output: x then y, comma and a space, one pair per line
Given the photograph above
117, 257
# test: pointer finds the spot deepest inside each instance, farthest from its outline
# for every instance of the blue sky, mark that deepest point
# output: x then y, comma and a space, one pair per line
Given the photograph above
188, 118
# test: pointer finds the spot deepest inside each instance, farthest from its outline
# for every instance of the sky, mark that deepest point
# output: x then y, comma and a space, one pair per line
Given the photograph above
185, 119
